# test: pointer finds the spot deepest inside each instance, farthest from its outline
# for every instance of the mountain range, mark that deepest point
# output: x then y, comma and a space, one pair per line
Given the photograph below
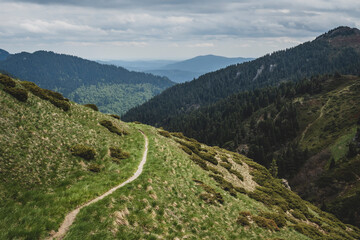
181, 71
113, 89
292, 111
64, 164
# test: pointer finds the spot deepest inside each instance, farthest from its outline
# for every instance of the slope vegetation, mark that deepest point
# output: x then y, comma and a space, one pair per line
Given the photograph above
337, 50
113, 89
54, 159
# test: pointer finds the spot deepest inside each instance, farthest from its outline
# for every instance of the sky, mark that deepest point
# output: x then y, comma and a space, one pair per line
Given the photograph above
168, 29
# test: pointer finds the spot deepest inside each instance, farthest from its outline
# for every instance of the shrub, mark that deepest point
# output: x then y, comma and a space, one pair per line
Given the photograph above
240, 190
226, 165
243, 221
164, 133
7, 81
186, 149
94, 167
237, 160
237, 174
279, 219
92, 106
224, 159
18, 93
34, 89
199, 161
308, 230
115, 116
53, 97
297, 214
227, 186
265, 223
118, 153
64, 105
214, 170
111, 127
245, 213
211, 196
194, 147
208, 157
86, 152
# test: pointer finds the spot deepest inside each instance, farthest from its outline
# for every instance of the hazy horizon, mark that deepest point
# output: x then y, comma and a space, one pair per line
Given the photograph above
176, 30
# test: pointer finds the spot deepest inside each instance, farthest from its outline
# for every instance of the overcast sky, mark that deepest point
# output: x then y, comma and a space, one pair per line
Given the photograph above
168, 29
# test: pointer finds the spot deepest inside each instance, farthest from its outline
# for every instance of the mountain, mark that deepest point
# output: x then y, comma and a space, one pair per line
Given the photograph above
181, 71
57, 156
113, 89
192, 68
309, 128
3, 54
139, 65
326, 54
204, 64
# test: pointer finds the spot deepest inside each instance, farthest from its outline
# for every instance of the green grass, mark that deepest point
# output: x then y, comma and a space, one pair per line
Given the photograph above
340, 148
41, 181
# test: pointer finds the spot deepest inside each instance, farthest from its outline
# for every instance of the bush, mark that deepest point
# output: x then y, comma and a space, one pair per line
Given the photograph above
34, 89
210, 195
164, 133
227, 186
308, 230
86, 152
111, 127
265, 223
54, 98
279, 219
237, 174
186, 149
214, 170
64, 105
199, 161
7, 81
226, 165
208, 157
115, 116
92, 106
94, 167
118, 153
224, 159
243, 221
55, 95
297, 214
18, 93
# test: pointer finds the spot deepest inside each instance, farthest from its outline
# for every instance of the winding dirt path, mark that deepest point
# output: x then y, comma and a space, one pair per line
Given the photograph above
70, 217
312, 123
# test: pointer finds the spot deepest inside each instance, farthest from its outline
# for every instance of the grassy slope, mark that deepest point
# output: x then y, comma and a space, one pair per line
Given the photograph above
41, 181
330, 133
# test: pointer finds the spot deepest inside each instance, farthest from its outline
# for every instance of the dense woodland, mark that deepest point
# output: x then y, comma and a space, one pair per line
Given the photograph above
78, 79
320, 56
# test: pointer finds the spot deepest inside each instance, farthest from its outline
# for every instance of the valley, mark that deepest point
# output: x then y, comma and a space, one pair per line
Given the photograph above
62, 158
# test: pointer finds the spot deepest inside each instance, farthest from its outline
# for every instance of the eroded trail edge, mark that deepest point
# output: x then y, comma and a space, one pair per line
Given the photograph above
70, 217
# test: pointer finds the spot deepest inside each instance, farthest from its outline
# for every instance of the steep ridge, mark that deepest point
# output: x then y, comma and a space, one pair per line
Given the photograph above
186, 190
321, 56
113, 89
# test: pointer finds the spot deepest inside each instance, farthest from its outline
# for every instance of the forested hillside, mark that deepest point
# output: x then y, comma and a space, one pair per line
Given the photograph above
335, 51
57, 155
78, 79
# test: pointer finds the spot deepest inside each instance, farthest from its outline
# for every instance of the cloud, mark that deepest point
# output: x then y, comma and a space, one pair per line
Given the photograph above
157, 28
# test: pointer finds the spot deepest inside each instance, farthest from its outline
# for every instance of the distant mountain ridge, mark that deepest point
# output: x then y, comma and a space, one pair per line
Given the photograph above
320, 56
181, 71
78, 79
3, 54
